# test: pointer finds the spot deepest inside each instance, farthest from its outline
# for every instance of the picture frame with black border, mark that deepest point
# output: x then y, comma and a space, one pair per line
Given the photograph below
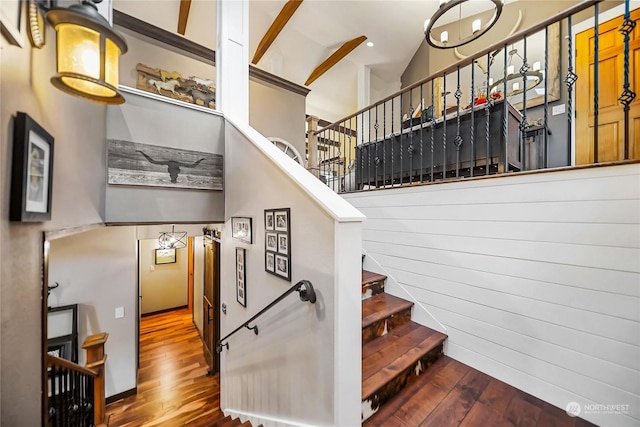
241, 229
270, 262
268, 220
165, 256
271, 242
241, 277
283, 243
282, 266
31, 172
281, 220
277, 242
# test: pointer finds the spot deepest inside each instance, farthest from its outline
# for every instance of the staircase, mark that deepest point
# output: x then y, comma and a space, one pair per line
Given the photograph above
395, 351
221, 421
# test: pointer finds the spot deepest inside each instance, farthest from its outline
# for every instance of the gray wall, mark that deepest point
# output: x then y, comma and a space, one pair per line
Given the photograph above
78, 127
149, 121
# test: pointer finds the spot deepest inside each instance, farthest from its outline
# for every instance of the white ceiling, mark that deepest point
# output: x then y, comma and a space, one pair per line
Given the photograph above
314, 32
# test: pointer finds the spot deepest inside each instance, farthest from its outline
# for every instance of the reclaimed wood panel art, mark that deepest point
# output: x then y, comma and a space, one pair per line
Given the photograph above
133, 163
192, 89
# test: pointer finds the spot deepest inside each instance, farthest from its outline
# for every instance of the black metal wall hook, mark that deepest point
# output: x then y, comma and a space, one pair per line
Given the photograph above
52, 287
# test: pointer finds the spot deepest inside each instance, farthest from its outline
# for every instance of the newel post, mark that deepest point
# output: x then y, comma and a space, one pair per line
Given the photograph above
96, 358
312, 141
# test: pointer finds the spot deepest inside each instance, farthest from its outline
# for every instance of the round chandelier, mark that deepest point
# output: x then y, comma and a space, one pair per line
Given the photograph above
478, 28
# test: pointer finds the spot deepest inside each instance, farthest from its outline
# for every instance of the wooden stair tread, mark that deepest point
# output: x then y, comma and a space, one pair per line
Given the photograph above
405, 397
394, 353
371, 277
381, 306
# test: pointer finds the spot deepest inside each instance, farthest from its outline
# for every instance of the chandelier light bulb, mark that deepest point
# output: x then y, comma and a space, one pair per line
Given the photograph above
536, 66
444, 37
476, 25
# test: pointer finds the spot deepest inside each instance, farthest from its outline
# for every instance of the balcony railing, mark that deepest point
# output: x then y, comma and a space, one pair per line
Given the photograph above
557, 94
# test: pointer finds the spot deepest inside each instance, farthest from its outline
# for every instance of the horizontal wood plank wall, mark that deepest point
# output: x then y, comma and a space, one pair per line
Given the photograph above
536, 277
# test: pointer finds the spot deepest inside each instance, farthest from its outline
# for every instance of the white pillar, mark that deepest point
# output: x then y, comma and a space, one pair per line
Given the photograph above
232, 59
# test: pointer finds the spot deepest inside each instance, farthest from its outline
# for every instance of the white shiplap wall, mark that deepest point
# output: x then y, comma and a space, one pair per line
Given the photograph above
536, 277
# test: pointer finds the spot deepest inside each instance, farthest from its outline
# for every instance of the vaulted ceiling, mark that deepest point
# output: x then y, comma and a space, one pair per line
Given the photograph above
311, 46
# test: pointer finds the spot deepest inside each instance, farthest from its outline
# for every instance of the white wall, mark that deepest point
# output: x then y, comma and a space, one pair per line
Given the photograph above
162, 286
74, 262
535, 277
304, 366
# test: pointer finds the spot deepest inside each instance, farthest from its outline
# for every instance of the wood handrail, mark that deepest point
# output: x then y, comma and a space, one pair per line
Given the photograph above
67, 364
464, 62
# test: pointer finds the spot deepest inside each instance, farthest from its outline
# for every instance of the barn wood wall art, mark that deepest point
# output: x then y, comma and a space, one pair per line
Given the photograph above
191, 89
133, 163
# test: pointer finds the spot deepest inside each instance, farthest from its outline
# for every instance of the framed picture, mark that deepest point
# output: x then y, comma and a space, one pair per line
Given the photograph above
165, 256
268, 220
241, 277
32, 171
270, 262
277, 242
241, 229
11, 25
271, 242
281, 220
283, 243
282, 267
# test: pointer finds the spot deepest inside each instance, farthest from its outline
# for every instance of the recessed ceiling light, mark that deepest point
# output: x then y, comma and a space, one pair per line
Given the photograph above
370, 44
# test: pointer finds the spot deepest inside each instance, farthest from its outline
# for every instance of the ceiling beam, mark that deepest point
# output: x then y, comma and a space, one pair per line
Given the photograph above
278, 24
185, 5
334, 58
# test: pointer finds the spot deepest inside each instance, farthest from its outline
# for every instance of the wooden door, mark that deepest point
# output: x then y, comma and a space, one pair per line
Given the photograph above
210, 311
610, 86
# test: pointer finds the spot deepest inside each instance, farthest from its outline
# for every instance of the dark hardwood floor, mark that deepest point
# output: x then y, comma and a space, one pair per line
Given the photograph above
173, 389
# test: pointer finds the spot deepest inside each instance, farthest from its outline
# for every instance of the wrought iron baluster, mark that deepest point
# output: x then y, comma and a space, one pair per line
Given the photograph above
400, 176
410, 148
627, 96
422, 109
472, 137
384, 145
546, 97
391, 140
376, 126
433, 126
596, 76
505, 124
570, 81
523, 124
444, 127
458, 139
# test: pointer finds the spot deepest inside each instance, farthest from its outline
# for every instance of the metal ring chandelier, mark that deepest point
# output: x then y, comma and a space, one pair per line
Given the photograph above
478, 29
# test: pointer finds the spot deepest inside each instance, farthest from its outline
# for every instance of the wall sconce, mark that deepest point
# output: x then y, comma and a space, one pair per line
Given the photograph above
477, 27
172, 239
88, 50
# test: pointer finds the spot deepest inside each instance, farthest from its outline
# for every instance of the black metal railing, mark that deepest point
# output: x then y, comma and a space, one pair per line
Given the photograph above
303, 287
71, 394
489, 113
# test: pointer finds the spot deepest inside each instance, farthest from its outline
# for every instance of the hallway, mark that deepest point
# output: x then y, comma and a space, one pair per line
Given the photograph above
173, 389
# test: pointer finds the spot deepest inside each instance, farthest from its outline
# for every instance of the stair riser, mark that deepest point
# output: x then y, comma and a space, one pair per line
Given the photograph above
383, 326
390, 389
371, 289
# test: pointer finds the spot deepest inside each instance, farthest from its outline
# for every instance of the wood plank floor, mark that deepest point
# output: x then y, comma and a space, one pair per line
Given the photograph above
173, 389
452, 394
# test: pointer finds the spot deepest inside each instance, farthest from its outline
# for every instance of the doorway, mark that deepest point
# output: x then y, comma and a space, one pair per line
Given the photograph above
610, 84
210, 303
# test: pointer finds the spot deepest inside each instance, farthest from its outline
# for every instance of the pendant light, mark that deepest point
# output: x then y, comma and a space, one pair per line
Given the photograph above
88, 50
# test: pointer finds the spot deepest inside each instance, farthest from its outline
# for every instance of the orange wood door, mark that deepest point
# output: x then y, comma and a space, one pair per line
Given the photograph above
610, 87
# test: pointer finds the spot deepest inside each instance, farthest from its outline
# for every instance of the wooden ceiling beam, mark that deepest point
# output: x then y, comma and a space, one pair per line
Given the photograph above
185, 5
332, 60
278, 24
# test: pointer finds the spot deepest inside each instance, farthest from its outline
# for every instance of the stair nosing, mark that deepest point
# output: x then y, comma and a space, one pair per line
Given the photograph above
376, 316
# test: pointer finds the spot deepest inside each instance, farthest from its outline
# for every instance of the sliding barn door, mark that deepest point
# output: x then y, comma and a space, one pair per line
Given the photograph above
610, 86
210, 309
